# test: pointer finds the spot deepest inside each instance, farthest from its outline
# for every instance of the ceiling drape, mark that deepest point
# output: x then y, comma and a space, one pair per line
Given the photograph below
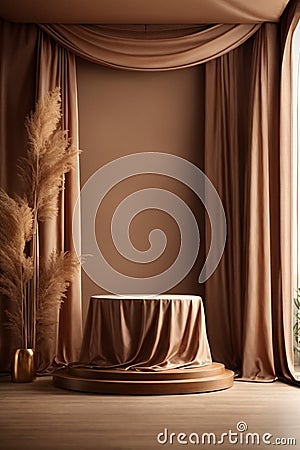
103, 45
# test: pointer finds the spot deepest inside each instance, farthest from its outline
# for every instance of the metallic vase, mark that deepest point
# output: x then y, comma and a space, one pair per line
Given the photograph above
23, 369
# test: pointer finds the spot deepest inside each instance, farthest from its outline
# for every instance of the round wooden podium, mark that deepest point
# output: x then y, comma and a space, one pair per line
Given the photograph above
212, 377
142, 346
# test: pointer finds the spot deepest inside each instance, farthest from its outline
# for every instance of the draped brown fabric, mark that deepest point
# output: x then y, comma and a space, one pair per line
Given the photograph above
105, 46
56, 67
17, 86
241, 142
247, 157
261, 189
225, 129
283, 336
153, 334
23, 50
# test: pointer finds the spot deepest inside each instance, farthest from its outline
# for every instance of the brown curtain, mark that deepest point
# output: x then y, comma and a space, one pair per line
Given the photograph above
248, 158
17, 86
56, 67
225, 128
30, 67
107, 46
284, 337
241, 141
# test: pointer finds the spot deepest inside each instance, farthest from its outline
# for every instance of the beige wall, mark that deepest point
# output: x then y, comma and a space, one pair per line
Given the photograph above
124, 112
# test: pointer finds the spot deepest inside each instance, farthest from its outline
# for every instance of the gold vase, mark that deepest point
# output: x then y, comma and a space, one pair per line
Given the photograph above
23, 369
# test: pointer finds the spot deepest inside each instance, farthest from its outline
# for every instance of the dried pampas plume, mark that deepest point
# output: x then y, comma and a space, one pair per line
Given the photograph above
56, 274
36, 287
49, 156
16, 269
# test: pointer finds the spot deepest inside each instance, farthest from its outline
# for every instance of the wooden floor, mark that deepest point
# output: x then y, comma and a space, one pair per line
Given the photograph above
38, 416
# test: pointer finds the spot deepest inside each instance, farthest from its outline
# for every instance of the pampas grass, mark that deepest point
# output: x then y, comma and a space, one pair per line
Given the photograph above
49, 156
36, 287
52, 291
16, 268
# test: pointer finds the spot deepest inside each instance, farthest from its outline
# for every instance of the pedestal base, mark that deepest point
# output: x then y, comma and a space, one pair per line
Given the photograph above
212, 377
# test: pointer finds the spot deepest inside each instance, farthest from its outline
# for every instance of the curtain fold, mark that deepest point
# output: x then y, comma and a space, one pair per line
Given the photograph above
105, 46
17, 86
56, 67
248, 148
31, 65
258, 353
223, 166
284, 338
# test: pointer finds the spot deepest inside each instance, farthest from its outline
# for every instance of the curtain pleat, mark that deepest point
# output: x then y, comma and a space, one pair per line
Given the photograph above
17, 85
31, 65
284, 336
56, 67
248, 158
223, 291
258, 357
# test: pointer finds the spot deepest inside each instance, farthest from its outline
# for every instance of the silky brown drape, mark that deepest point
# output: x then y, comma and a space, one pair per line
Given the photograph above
56, 67
241, 141
17, 86
108, 47
225, 131
284, 338
152, 334
30, 67
247, 157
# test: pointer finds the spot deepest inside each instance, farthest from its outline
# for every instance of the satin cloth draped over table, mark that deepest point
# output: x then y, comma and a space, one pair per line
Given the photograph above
151, 334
